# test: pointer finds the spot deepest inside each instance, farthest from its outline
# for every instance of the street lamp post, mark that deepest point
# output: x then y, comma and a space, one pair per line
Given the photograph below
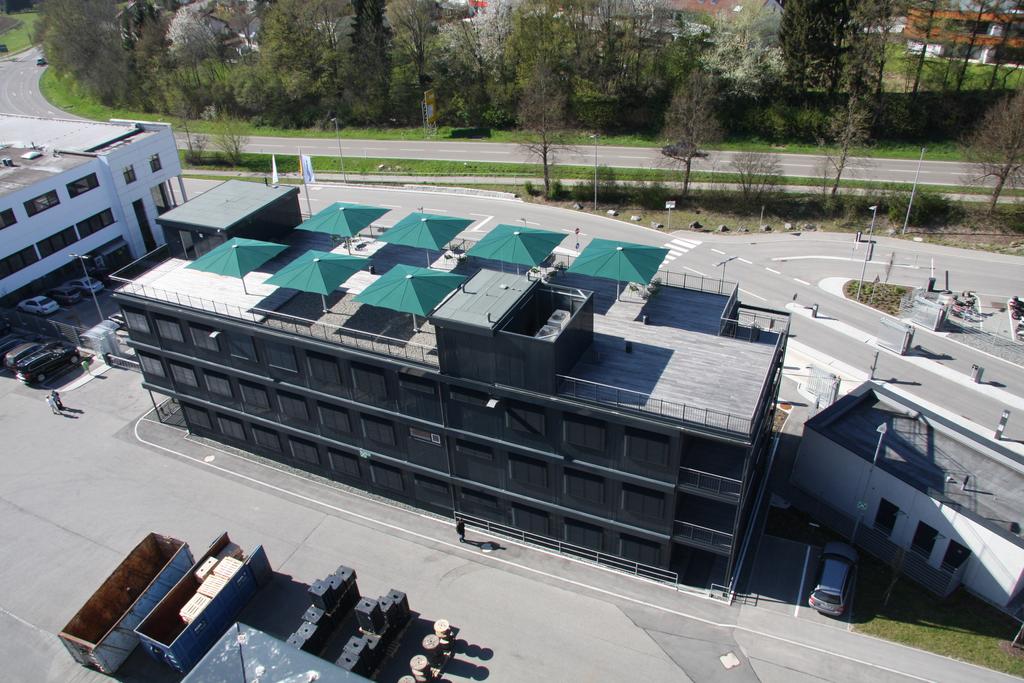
723, 263
82, 259
913, 191
595, 136
861, 503
867, 251
341, 155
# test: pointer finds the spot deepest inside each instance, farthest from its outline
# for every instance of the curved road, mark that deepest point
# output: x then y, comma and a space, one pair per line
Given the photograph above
19, 94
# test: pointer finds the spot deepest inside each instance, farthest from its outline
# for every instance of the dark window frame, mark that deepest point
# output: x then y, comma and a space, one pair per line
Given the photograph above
583, 485
262, 437
278, 355
57, 241
528, 471
137, 321
201, 337
293, 406
642, 502
381, 428
76, 188
594, 433
152, 365
164, 327
43, 202
178, 371
218, 384
7, 218
923, 541
128, 172
195, 414
252, 390
231, 423
155, 164
884, 507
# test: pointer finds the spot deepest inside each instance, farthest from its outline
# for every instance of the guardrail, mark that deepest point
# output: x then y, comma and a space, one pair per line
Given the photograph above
596, 392
697, 283
639, 569
714, 483
702, 535
343, 336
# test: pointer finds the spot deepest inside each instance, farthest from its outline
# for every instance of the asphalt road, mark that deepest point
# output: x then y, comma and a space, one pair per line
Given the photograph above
937, 369
19, 94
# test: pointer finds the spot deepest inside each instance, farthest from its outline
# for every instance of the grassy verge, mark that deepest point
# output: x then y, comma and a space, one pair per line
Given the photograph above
63, 94
961, 626
19, 37
880, 295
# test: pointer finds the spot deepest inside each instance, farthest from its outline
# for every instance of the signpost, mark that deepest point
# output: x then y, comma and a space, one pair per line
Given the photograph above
670, 204
429, 110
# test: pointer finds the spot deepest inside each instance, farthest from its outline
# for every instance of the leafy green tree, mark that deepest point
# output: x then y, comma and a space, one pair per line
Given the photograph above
94, 59
812, 39
744, 55
370, 62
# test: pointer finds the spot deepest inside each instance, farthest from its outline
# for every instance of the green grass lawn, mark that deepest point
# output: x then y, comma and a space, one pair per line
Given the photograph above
19, 37
900, 66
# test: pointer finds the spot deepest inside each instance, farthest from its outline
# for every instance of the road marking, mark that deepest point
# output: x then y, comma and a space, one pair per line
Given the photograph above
743, 260
695, 271
685, 243
803, 580
429, 210
756, 296
771, 270
481, 224
455, 547
717, 251
670, 257
803, 282
482, 215
403, 149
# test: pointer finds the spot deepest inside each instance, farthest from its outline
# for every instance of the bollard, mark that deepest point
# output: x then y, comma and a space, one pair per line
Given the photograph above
976, 371
814, 311
1001, 427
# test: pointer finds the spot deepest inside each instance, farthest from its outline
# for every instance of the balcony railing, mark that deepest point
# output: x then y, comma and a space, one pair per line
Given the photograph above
626, 399
702, 535
343, 336
723, 486
697, 283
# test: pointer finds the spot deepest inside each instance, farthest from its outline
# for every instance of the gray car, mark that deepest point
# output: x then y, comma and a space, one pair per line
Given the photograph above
834, 588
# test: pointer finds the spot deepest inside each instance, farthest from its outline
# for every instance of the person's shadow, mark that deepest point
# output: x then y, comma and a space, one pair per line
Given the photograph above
486, 546
65, 409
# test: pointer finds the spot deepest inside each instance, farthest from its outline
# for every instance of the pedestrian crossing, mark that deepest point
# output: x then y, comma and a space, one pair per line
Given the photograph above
680, 246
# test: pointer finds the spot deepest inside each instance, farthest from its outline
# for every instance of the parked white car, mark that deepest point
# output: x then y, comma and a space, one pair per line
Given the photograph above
85, 285
38, 305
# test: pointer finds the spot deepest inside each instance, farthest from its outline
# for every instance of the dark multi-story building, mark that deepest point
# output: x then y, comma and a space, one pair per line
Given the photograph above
635, 425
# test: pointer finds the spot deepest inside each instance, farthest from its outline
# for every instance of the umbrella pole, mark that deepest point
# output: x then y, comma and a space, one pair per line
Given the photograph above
324, 300
243, 285
414, 328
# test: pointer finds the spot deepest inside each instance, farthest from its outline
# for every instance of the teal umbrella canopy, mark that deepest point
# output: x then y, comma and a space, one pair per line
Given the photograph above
319, 272
237, 257
516, 244
409, 289
425, 230
343, 219
619, 261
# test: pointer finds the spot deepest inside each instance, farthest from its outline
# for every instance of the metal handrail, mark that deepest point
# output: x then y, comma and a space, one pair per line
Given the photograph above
711, 482
639, 569
667, 278
340, 334
585, 390
702, 534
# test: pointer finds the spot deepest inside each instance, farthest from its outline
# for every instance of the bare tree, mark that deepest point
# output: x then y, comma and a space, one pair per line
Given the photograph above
759, 174
997, 146
848, 128
231, 139
542, 112
690, 123
413, 22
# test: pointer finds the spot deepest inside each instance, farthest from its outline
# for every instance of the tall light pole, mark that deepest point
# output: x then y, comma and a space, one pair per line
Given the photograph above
341, 155
88, 279
723, 263
862, 504
595, 136
913, 191
867, 251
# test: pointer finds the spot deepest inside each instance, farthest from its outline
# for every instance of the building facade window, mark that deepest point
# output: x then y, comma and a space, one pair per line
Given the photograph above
525, 419
531, 519
7, 218
386, 476
218, 384
129, 174
474, 450
323, 369
334, 419
231, 427
137, 321
56, 242
584, 433
924, 539
242, 347
639, 550
370, 384
82, 185
254, 397
643, 502
196, 417
344, 463
95, 223
583, 534
425, 436
293, 406
304, 451
885, 518
151, 365
956, 555
647, 448
379, 430
281, 357
266, 438
584, 486
18, 260
528, 471
154, 163
184, 375
204, 337
42, 203
169, 329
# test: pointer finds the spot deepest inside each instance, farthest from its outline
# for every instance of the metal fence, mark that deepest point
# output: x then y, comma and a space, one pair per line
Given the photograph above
697, 283
702, 535
985, 341
645, 571
714, 483
596, 392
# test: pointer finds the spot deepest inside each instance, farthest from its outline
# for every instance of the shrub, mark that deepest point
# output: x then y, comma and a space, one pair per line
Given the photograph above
530, 190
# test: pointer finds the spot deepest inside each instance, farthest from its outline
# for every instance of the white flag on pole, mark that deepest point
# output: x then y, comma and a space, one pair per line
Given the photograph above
273, 170
307, 169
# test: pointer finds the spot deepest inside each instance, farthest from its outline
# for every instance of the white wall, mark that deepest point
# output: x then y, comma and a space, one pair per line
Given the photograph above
840, 478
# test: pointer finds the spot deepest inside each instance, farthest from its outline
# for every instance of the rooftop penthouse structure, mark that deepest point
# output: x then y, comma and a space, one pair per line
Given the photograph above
628, 425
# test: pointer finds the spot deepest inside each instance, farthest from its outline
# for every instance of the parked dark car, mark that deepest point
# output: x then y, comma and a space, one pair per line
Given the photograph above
46, 363
3, 47
834, 586
24, 350
65, 296
41, 61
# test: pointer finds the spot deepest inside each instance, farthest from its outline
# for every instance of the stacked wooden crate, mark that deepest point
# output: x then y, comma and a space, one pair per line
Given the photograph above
213, 574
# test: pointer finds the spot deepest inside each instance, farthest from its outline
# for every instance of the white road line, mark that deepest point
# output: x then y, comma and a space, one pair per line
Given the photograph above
429, 210
476, 228
717, 251
743, 260
695, 271
687, 244
522, 567
670, 257
770, 270
803, 282
481, 215
403, 149
803, 580
756, 296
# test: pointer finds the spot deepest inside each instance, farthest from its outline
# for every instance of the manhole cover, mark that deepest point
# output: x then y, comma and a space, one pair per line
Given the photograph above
729, 660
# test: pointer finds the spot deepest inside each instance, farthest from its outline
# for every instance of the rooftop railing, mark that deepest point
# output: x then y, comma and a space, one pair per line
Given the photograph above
595, 392
343, 336
697, 283
702, 535
715, 483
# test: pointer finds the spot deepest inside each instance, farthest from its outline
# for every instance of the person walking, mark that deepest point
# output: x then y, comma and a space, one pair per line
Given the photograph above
53, 404
460, 529
56, 399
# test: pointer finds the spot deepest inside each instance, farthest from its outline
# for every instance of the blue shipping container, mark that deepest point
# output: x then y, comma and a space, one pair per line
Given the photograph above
165, 635
102, 634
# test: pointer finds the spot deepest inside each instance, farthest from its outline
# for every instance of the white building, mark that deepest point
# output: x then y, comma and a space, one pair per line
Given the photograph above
938, 501
79, 187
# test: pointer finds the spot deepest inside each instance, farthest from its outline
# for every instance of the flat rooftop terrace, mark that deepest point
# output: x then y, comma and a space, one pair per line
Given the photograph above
78, 135
924, 453
678, 367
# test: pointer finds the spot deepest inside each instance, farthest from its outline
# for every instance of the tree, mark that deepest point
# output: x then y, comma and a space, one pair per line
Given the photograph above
744, 55
230, 138
542, 112
848, 128
983, 7
94, 58
413, 23
370, 61
997, 146
690, 123
922, 15
812, 36
759, 173
1006, 14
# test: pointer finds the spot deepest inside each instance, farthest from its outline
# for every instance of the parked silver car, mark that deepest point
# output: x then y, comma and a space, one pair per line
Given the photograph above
834, 587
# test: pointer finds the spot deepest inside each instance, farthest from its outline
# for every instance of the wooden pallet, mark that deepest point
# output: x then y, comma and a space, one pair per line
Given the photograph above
227, 567
193, 608
205, 568
212, 585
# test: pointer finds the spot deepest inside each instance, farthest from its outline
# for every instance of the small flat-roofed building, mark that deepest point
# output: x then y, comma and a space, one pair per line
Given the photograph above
79, 187
632, 429
941, 501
